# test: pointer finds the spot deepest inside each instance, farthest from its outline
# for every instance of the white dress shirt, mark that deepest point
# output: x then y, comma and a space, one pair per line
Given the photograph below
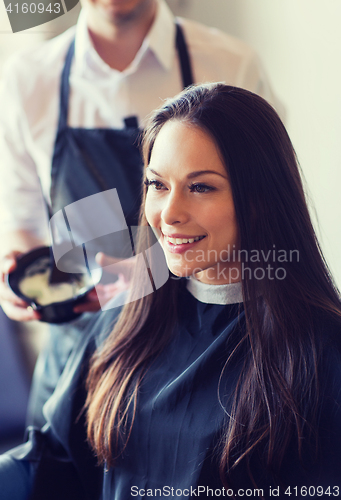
99, 97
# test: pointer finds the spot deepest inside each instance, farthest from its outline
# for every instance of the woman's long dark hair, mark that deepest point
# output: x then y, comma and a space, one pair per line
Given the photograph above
278, 390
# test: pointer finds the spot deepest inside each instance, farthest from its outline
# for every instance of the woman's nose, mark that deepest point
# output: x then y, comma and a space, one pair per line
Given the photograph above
175, 210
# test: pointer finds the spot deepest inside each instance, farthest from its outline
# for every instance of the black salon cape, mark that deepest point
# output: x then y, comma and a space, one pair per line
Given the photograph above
177, 425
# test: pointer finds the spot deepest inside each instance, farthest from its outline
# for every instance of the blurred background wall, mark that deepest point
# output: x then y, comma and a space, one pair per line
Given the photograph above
299, 42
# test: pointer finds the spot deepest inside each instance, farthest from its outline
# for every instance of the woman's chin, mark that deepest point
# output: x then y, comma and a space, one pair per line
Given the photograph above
181, 272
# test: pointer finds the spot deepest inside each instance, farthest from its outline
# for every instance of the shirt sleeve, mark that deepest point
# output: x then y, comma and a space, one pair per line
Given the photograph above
22, 205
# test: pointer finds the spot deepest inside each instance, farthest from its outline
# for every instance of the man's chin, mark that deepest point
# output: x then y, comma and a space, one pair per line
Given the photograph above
121, 13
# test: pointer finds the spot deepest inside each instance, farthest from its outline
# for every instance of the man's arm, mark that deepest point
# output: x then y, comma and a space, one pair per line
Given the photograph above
23, 221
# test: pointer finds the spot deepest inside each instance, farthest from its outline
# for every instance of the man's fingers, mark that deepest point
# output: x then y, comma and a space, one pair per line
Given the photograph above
87, 307
8, 265
92, 295
7, 295
9, 262
15, 308
105, 260
116, 266
92, 303
20, 313
101, 295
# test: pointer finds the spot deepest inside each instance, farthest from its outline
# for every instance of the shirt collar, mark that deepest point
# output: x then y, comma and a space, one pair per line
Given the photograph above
161, 37
229, 293
160, 40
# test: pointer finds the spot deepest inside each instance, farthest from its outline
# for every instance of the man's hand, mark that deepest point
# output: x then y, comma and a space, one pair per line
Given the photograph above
19, 310
104, 293
15, 308
121, 267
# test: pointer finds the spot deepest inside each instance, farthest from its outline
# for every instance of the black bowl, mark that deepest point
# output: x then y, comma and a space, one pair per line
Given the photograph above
56, 312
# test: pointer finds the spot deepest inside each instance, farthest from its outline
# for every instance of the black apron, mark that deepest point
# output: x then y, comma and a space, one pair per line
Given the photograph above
86, 162
90, 161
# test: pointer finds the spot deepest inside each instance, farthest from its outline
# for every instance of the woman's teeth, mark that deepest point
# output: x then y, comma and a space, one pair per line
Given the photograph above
181, 241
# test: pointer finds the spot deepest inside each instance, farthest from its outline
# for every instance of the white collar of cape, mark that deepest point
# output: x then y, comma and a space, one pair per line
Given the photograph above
229, 293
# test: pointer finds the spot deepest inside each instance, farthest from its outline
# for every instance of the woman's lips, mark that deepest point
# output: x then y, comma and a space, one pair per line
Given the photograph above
180, 243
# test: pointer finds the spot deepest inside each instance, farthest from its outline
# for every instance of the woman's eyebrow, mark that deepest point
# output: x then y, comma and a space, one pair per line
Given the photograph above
153, 171
192, 174
202, 172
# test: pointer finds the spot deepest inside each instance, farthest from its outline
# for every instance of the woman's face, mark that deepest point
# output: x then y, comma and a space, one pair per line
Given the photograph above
189, 203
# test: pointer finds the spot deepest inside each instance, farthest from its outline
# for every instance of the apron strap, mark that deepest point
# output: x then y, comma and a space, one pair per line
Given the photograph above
65, 88
185, 61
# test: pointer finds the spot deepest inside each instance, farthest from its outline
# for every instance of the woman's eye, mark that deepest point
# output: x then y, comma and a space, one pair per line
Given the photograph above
157, 186
200, 188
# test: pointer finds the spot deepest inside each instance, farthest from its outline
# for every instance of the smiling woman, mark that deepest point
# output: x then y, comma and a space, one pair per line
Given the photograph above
251, 392
188, 183
228, 375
